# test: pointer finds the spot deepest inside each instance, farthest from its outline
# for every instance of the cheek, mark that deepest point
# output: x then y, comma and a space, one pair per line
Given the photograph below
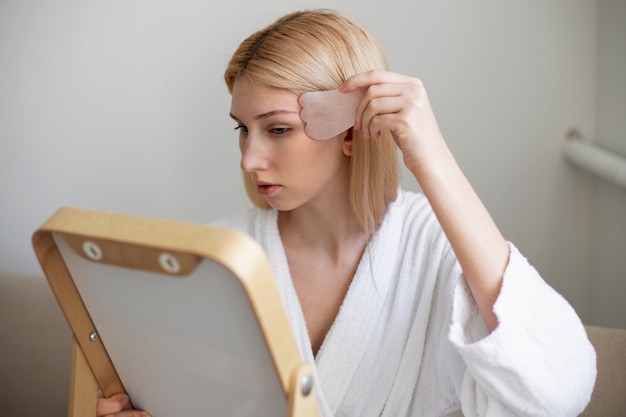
327, 152
241, 142
320, 162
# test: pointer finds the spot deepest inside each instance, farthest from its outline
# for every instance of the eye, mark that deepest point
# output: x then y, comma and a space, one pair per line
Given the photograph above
279, 130
243, 129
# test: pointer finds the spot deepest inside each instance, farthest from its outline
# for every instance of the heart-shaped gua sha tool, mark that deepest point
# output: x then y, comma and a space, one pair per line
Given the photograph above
329, 113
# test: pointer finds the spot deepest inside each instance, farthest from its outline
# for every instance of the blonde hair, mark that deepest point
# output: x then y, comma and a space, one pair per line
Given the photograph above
317, 50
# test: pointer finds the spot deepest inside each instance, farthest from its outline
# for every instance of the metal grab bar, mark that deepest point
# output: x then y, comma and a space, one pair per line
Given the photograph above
595, 160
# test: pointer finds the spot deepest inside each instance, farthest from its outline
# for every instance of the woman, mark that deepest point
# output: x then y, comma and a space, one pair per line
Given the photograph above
409, 304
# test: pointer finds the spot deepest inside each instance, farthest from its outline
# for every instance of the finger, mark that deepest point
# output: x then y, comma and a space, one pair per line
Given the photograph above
372, 93
113, 404
368, 78
382, 114
378, 84
130, 413
379, 99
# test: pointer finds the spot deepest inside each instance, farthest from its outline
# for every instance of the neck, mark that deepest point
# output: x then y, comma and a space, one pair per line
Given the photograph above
329, 227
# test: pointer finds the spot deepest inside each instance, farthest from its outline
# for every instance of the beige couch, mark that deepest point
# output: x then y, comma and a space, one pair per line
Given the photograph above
609, 395
35, 355
35, 347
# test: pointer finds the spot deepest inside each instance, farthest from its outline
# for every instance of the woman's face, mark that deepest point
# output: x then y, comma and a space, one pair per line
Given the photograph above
289, 168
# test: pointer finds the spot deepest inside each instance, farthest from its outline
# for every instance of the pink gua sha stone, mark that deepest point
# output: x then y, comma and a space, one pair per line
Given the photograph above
329, 113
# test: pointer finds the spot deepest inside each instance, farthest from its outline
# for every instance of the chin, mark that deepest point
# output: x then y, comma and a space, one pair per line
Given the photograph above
282, 205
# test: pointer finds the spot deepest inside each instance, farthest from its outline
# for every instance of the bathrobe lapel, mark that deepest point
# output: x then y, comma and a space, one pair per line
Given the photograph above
350, 336
348, 340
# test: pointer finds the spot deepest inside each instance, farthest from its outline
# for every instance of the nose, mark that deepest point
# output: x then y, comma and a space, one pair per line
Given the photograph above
253, 153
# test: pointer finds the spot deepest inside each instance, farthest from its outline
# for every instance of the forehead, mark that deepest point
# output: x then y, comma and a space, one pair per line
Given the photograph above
250, 99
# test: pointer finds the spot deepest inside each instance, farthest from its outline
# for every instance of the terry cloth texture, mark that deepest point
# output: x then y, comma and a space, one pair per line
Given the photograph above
409, 340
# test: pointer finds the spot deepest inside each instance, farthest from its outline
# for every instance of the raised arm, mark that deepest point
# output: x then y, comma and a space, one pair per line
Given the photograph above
399, 103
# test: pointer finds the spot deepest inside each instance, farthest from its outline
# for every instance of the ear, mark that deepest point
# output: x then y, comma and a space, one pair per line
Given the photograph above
347, 143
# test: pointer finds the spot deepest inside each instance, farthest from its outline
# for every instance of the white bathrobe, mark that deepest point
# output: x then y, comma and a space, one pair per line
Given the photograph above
409, 340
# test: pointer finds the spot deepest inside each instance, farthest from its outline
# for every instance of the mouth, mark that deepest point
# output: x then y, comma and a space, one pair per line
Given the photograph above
266, 189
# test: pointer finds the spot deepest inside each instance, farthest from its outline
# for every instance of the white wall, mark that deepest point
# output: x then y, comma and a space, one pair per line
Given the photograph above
608, 221
120, 105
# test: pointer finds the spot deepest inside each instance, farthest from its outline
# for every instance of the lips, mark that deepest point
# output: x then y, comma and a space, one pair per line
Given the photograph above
266, 189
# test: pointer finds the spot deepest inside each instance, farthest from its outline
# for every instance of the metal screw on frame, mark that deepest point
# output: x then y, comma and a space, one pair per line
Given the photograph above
306, 383
93, 336
92, 250
169, 263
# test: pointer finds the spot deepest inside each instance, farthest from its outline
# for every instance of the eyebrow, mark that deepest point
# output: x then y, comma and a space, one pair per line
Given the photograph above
268, 114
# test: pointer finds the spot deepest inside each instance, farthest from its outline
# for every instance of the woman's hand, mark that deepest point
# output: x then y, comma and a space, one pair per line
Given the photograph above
114, 405
399, 103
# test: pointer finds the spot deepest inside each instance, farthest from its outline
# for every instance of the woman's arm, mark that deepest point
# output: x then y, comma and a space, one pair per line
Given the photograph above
400, 104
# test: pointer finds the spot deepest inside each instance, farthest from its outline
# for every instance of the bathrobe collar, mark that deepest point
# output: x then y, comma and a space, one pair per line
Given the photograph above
348, 338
